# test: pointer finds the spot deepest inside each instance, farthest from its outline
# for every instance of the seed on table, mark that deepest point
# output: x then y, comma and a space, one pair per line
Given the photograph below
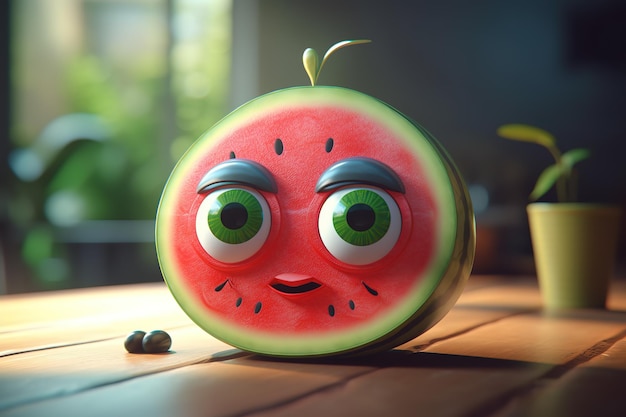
134, 342
156, 341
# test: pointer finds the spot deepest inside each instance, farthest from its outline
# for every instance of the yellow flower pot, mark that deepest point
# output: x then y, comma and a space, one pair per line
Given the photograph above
574, 246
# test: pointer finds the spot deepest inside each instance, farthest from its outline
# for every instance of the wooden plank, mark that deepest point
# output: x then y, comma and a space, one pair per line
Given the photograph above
480, 305
235, 387
614, 357
411, 384
479, 385
89, 329
84, 316
37, 375
36, 310
540, 337
70, 317
592, 387
458, 321
523, 291
506, 293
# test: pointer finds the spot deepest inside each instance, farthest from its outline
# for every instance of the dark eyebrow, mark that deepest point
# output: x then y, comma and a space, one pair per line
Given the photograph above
238, 172
359, 170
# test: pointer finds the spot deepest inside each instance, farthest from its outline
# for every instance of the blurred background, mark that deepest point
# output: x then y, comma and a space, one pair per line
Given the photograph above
99, 99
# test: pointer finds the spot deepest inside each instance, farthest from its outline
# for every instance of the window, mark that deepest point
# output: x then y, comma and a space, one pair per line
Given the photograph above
106, 95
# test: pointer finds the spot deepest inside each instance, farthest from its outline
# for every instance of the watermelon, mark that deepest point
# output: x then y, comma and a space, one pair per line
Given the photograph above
315, 221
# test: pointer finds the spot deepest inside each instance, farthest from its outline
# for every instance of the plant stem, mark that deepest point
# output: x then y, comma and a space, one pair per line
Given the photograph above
562, 193
573, 185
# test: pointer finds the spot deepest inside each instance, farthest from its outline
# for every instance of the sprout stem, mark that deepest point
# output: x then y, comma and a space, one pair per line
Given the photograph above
311, 62
562, 194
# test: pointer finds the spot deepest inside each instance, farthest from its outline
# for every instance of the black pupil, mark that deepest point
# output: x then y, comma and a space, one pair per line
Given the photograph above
361, 217
234, 216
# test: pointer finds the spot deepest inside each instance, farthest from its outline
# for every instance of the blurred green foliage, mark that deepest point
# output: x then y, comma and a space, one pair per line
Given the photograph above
153, 107
120, 178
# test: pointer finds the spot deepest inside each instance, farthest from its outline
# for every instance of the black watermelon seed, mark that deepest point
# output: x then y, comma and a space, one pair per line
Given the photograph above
221, 286
238, 302
329, 145
133, 342
278, 146
156, 341
331, 310
369, 289
232, 155
257, 307
351, 304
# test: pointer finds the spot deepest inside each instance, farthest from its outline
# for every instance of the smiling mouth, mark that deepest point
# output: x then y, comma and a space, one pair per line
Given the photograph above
298, 289
294, 284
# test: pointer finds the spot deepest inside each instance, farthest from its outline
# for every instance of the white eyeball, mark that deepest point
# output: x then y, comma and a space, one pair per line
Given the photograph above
232, 224
359, 226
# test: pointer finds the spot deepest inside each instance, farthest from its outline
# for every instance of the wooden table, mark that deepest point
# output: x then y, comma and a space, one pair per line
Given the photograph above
495, 354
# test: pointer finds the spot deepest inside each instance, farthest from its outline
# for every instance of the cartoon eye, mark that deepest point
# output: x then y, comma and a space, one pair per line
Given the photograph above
359, 226
232, 224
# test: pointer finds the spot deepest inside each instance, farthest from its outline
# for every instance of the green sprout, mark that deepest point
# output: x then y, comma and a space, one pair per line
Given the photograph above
311, 61
561, 173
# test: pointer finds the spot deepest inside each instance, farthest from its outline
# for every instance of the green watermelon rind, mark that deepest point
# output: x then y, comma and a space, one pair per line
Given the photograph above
404, 321
453, 281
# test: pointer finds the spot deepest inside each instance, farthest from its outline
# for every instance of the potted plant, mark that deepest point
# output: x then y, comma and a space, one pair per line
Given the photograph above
574, 243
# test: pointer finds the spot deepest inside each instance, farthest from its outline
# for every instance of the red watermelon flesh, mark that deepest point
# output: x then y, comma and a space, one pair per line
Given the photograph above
293, 297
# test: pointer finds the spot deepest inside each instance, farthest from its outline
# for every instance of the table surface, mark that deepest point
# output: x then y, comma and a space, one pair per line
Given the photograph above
496, 354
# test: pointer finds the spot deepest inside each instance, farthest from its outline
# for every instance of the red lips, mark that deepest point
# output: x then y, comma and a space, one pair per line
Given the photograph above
294, 284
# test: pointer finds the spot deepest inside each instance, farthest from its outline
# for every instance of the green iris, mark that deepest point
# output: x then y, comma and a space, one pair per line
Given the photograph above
361, 217
235, 216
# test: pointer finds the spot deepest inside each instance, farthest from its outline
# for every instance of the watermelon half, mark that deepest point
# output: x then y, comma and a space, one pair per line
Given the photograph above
315, 221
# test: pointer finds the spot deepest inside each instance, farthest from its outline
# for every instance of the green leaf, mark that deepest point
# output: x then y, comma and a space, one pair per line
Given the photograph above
526, 133
311, 65
570, 158
546, 180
